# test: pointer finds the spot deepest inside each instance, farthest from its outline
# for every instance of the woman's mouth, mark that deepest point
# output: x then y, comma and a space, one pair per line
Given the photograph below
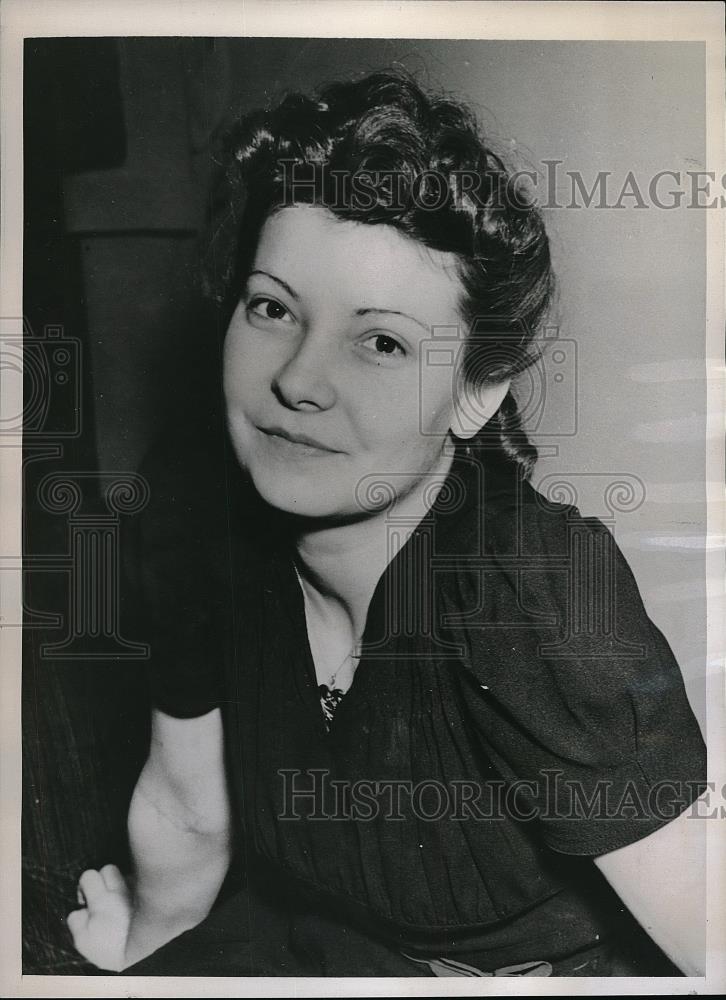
296, 444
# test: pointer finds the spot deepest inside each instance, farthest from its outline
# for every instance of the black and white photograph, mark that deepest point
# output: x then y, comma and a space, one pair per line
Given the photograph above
363, 531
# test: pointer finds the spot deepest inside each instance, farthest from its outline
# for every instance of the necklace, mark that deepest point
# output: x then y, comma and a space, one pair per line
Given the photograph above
331, 696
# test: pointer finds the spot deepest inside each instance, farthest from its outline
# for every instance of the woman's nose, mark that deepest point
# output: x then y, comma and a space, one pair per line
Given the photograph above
303, 382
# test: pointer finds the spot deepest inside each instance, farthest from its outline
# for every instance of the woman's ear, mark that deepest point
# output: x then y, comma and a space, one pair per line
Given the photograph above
474, 406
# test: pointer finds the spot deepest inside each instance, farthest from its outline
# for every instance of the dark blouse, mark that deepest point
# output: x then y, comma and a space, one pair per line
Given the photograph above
514, 713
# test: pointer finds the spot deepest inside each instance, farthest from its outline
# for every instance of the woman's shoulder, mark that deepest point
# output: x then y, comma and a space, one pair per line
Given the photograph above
516, 562
490, 508
563, 669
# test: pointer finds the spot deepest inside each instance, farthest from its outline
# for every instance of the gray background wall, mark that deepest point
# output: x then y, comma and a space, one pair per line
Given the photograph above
632, 280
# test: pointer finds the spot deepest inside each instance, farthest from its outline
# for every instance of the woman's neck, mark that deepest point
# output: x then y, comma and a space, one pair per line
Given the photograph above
341, 565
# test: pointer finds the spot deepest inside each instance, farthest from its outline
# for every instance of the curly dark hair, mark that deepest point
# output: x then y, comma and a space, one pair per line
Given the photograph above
380, 150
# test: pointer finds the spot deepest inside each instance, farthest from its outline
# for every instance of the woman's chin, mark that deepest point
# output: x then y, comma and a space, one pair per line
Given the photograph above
304, 499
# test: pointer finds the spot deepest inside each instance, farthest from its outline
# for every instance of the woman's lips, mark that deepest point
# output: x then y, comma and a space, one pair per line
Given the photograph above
296, 444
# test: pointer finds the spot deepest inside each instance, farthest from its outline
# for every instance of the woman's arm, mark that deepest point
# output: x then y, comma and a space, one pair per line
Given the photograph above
179, 832
662, 881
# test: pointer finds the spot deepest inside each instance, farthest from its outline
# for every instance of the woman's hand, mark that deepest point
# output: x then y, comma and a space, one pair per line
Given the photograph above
180, 838
100, 930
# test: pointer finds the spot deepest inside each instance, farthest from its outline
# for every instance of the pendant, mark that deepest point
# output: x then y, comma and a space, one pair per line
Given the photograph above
329, 701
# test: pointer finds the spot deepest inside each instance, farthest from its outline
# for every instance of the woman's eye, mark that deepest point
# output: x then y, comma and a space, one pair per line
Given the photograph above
385, 346
267, 308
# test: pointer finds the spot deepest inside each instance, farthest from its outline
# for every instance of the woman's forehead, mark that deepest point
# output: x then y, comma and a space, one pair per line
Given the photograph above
314, 251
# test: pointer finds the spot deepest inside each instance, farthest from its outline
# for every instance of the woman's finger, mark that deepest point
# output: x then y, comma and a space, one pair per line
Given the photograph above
113, 879
77, 921
92, 886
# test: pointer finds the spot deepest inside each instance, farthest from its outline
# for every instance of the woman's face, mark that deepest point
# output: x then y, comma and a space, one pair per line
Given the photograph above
328, 345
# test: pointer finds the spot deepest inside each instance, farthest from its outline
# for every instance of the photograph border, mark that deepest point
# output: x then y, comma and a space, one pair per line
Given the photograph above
547, 19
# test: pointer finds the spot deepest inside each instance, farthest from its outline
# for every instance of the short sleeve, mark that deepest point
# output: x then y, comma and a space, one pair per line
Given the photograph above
577, 698
182, 568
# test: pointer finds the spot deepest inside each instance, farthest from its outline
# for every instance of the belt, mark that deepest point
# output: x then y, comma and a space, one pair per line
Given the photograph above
448, 967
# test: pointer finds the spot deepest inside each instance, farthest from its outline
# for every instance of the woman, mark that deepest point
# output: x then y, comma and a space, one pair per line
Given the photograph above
407, 742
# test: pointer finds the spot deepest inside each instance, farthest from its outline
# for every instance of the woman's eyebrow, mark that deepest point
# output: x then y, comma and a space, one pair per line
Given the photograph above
392, 312
279, 281
358, 312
